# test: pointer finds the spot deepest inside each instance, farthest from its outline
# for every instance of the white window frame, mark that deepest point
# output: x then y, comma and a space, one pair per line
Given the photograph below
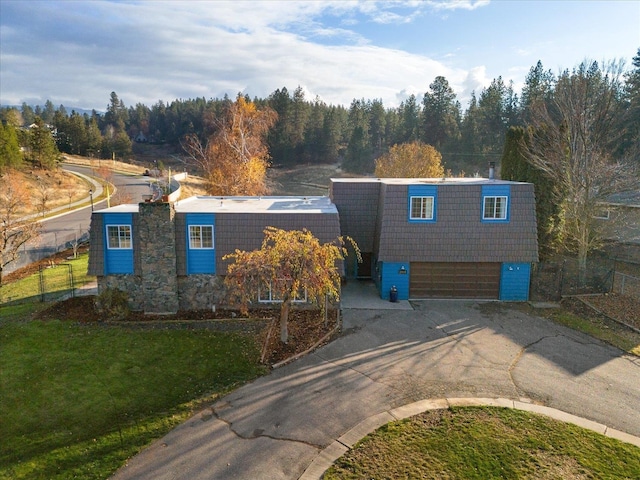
426, 213
197, 242
124, 237
495, 212
271, 299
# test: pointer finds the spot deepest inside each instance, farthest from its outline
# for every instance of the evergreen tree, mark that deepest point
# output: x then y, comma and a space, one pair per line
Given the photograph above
28, 117
43, 151
515, 167
440, 114
538, 87
10, 153
470, 151
409, 120
278, 138
493, 119
359, 157
377, 127
629, 123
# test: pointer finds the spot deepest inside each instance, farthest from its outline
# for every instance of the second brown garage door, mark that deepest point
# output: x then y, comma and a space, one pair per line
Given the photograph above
454, 280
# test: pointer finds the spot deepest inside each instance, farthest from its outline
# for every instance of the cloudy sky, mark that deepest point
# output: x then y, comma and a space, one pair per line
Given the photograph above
76, 52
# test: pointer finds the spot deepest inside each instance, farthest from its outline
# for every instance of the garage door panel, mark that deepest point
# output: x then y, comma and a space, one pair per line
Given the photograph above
454, 280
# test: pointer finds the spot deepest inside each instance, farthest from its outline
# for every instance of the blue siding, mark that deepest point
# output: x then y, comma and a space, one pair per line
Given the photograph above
391, 276
496, 191
118, 261
423, 191
514, 282
201, 260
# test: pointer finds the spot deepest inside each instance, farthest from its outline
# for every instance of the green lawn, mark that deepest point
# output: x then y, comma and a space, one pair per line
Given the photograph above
77, 400
55, 282
486, 443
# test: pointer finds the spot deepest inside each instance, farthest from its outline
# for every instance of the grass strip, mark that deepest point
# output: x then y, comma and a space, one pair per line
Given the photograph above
485, 442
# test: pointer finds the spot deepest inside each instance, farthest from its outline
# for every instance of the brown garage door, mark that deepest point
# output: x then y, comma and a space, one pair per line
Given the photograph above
454, 280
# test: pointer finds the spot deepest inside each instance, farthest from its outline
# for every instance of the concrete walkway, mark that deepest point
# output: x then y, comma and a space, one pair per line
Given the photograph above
390, 363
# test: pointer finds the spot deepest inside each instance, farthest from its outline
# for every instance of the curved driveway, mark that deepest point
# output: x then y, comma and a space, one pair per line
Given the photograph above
275, 427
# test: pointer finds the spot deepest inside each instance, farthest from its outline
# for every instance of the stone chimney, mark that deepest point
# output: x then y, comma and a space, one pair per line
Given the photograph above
158, 257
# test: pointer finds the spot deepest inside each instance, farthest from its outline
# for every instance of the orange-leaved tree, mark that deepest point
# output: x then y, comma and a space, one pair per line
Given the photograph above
410, 160
16, 227
235, 158
290, 264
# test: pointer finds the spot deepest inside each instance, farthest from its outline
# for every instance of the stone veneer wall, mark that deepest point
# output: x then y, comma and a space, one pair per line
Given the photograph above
131, 284
200, 292
158, 257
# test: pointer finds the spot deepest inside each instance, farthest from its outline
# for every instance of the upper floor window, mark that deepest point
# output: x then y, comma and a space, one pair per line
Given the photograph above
421, 208
200, 236
119, 236
423, 203
495, 208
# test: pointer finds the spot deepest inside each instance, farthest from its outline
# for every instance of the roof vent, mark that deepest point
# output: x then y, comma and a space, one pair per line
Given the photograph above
492, 170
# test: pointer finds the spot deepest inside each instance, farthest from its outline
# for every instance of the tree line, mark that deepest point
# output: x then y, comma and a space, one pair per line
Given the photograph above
310, 131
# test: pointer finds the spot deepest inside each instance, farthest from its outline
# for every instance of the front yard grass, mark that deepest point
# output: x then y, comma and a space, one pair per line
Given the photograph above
484, 442
77, 400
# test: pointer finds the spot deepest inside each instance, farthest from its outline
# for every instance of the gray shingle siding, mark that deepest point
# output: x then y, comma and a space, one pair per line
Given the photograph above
459, 235
96, 246
245, 231
358, 209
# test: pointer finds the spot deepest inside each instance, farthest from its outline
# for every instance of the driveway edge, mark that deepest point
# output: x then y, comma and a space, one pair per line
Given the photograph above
339, 447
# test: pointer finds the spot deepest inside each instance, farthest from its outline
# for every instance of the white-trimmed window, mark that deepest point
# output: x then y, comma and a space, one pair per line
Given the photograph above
495, 208
267, 295
201, 236
421, 208
119, 237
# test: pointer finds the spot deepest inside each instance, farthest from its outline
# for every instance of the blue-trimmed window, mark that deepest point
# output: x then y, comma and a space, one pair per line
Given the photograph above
495, 203
118, 245
200, 236
119, 237
422, 203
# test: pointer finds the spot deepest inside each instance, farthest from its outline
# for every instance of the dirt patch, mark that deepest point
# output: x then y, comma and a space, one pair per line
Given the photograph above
619, 307
306, 326
304, 180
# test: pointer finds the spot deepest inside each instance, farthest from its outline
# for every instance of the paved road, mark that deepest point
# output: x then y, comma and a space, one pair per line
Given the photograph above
275, 427
69, 224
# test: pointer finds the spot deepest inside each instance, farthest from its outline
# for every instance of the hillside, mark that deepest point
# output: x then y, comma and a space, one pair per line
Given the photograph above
49, 188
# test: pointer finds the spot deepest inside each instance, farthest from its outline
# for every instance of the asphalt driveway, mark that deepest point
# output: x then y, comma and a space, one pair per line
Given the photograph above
275, 427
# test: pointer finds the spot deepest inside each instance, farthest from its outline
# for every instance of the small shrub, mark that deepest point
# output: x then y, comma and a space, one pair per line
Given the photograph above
112, 304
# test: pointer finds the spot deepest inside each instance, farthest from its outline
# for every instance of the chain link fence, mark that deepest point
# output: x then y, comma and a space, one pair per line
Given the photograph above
554, 279
50, 283
628, 285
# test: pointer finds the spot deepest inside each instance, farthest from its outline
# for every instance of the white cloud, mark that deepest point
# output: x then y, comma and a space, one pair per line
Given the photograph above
457, 4
152, 51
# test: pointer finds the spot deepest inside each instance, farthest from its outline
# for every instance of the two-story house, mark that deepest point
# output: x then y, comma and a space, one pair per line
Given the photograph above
428, 238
